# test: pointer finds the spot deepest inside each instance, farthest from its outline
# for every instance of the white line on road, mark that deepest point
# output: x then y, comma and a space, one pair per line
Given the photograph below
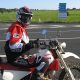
44, 26
32, 28
49, 39
2, 55
56, 31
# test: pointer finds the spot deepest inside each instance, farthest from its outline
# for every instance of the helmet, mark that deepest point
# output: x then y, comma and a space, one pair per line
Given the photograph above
24, 15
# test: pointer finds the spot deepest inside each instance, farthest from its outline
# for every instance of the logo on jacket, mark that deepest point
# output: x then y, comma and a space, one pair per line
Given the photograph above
16, 35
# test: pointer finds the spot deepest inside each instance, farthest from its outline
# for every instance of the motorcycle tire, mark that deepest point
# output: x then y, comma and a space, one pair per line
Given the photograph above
74, 65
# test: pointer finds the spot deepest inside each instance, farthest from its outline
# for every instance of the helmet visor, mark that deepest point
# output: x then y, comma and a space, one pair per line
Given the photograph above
26, 18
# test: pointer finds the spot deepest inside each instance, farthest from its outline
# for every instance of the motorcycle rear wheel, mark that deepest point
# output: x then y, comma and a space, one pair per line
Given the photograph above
75, 69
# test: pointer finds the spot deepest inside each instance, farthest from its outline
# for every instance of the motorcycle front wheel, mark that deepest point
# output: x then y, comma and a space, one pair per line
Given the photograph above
75, 69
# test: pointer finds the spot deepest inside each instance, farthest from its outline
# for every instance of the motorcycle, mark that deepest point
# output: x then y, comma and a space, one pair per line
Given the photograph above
69, 70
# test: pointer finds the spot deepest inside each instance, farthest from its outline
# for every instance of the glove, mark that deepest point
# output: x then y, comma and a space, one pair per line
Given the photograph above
53, 43
36, 43
42, 77
30, 45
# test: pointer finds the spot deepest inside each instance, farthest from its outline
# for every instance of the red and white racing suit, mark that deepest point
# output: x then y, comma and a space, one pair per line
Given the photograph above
16, 40
15, 34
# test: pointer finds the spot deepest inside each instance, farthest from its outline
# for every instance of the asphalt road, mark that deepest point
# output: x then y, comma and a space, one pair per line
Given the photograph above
69, 33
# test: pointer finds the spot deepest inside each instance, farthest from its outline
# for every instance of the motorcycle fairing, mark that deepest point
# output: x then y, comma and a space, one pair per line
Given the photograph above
14, 75
7, 66
11, 72
69, 54
54, 65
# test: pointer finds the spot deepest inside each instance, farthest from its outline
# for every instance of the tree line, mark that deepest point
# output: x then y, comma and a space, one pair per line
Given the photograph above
11, 10
7, 10
2, 10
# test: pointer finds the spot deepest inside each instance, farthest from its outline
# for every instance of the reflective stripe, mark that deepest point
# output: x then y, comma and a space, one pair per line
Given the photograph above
8, 36
16, 45
41, 66
25, 38
16, 50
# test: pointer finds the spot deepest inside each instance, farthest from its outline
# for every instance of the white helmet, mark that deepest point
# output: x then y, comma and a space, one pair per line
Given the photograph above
24, 15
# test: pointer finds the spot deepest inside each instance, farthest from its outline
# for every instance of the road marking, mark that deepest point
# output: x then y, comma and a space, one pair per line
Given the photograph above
45, 26
48, 31
32, 28
3, 28
56, 31
2, 55
49, 39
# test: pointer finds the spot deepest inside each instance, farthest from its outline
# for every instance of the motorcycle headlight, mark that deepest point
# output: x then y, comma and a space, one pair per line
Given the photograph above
63, 45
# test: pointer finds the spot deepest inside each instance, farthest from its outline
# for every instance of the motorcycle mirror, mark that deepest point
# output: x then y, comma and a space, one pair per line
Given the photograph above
63, 45
44, 32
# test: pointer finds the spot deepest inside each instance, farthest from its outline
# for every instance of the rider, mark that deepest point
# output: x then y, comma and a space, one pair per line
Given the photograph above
17, 43
16, 36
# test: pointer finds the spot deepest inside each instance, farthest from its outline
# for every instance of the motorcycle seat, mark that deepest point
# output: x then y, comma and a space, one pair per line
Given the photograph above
4, 65
7, 66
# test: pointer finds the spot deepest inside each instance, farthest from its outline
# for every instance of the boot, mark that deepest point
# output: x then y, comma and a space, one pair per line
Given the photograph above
41, 76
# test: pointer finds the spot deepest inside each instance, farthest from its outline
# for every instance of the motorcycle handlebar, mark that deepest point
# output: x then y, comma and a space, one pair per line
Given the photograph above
51, 43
